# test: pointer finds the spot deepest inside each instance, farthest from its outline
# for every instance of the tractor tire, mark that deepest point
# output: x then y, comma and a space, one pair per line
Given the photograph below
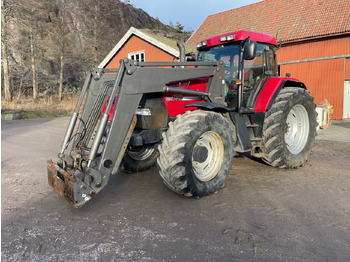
196, 153
290, 128
139, 159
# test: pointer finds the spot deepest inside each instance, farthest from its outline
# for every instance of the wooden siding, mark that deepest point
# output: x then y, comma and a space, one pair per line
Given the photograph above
152, 53
322, 48
324, 79
347, 69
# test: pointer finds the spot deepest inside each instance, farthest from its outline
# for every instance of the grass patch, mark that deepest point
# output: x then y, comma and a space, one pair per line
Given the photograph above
10, 112
41, 107
42, 114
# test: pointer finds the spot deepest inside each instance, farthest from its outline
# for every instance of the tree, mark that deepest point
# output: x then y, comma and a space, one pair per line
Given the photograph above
100, 37
61, 46
58, 35
33, 64
179, 27
19, 45
6, 9
28, 22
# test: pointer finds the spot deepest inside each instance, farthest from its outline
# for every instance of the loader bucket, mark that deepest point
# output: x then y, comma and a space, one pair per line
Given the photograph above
61, 181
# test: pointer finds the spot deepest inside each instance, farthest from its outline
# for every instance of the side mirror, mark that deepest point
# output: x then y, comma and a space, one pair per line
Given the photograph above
191, 57
249, 51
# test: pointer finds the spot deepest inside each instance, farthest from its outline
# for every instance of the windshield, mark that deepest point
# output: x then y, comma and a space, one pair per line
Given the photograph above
228, 54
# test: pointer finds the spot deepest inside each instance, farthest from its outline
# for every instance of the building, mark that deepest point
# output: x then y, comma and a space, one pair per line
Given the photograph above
315, 42
143, 46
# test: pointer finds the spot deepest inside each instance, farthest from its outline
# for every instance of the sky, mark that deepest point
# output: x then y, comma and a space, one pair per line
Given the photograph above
189, 13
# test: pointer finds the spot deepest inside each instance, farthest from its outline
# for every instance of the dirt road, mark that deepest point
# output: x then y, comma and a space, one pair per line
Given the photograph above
262, 213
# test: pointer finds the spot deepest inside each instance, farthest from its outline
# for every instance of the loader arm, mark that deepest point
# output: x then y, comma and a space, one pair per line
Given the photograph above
98, 147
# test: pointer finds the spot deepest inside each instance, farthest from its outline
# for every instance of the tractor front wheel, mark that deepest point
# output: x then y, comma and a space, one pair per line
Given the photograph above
290, 128
196, 153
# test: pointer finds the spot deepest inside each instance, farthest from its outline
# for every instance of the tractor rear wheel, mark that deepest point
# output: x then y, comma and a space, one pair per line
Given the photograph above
290, 128
196, 153
139, 159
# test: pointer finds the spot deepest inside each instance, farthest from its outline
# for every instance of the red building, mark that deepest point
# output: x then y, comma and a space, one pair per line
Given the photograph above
315, 42
143, 46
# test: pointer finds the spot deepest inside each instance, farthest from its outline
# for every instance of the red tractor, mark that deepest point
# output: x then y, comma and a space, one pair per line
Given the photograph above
190, 117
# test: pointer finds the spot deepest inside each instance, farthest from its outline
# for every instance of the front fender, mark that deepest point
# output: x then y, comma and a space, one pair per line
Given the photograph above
271, 90
208, 106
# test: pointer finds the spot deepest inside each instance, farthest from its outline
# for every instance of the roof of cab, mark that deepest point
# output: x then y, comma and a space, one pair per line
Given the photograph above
239, 36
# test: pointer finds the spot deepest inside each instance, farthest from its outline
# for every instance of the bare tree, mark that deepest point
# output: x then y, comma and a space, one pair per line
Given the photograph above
97, 39
5, 14
23, 19
28, 22
97, 11
20, 88
61, 46
58, 34
33, 64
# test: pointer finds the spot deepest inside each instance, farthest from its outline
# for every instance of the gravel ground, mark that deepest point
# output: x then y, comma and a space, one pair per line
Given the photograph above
338, 131
262, 213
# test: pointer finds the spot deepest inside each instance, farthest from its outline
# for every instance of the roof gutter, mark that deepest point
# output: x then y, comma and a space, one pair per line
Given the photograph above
312, 38
314, 59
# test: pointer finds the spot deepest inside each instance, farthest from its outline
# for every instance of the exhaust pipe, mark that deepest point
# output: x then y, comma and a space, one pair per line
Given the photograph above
182, 50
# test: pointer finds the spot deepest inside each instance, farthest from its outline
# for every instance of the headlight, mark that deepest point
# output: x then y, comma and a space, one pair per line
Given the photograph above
227, 38
223, 39
202, 44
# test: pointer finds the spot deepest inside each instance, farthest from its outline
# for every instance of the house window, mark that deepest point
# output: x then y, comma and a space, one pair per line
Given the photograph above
137, 56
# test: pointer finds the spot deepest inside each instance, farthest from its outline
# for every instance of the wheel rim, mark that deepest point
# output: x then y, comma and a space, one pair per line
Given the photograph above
207, 156
142, 154
297, 132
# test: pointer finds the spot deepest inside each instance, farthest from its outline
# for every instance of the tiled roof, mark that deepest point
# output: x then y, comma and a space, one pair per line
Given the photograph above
294, 19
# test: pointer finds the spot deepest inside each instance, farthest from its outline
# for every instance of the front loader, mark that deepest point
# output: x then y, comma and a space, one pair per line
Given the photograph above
189, 117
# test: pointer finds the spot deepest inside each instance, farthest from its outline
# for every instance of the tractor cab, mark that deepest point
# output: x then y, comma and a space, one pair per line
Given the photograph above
249, 59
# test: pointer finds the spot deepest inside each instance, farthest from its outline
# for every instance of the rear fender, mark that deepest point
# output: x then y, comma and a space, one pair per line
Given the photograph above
271, 90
